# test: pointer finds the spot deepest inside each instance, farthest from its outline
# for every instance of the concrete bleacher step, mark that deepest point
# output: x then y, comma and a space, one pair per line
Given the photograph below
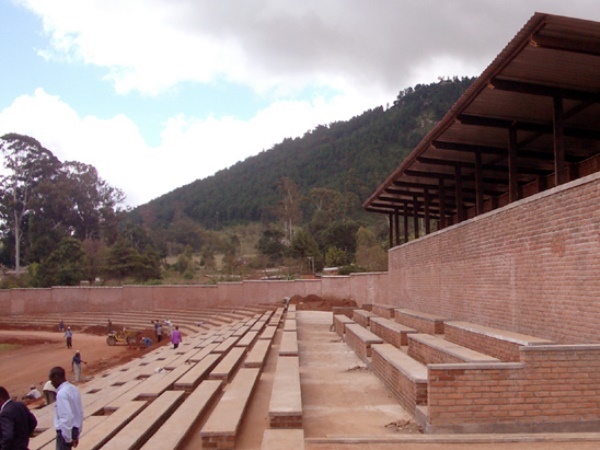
94, 438
176, 428
143, 426
227, 367
361, 340
391, 331
403, 375
220, 430
198, 373
429, 349
285, 407
258, 355
288, 345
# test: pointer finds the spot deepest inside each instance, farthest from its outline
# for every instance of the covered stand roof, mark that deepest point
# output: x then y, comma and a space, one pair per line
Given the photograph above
529, 122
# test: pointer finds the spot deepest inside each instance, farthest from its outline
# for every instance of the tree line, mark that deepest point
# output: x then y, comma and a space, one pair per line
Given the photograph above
63, 221
66, 224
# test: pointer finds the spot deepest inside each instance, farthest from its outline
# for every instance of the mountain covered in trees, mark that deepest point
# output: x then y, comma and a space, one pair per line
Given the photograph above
292, 209
351, 158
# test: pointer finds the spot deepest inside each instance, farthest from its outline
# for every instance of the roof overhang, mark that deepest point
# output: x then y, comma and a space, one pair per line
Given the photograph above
553, 62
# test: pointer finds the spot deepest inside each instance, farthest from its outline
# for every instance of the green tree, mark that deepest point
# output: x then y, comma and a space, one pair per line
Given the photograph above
289, 207
64, 267
271, 245
27, 164
335, 257
370, 252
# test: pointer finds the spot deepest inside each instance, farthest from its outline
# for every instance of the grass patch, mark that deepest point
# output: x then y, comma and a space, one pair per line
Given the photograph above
7, 347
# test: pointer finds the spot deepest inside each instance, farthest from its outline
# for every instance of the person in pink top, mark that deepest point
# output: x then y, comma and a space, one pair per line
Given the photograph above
176, 337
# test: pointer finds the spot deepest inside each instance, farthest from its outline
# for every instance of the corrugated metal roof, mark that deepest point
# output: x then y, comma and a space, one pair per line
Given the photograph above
550, 57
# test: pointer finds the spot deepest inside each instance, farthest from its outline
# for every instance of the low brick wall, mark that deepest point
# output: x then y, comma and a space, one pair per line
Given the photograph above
390, 331
408, 384
360, 340
553, 388
362, 317
427, 354
386, 311
502, 344
422, 322
339, 323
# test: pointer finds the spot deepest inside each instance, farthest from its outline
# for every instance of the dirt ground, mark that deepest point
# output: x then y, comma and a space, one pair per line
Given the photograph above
316, 303
29, 355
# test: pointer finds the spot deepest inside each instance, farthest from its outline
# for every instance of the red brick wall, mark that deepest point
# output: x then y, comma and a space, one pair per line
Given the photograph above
502, 349
423, 324
407, 391
532, 267
553, 388
388, 334
426, 354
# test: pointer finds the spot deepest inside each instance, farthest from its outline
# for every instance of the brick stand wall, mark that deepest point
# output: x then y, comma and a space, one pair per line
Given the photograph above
554, 388
531, 267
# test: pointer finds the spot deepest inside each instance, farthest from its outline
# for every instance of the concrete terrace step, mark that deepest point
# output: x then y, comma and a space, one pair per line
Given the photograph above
220, 430
96, 437
140, 429
174, 430
429, 349
390, 331
404, 376
285, 408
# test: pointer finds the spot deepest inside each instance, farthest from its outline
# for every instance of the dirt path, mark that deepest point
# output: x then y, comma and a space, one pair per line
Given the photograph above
37, 352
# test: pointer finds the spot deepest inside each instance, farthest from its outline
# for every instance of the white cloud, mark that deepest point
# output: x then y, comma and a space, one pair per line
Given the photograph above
362, 52
190, 148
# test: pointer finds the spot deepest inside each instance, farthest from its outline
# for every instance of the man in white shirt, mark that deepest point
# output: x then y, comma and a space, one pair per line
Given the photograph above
68, 411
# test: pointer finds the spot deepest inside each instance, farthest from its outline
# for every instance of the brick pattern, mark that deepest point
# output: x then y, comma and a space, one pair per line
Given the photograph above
218, 442
285, 421
502, 349
531, 267
358, 344
426, 354
339, 324
553, 385
407, 391
425, 323
386, 311
389, 334
362, 317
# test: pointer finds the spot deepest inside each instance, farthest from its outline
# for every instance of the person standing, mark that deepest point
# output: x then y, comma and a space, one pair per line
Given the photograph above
68, 412
17, 423
176, 338
159, 332
76, 365
69, 336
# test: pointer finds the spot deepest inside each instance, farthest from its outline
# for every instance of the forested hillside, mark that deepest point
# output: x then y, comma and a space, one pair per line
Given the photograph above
350, 157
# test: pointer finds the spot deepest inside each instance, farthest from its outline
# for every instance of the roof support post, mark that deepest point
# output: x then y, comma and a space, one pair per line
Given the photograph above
478, 185
513, 172
559, 142
442, 204
391, 230
416, 216
405, 205
427, 213
460, 210
397, 226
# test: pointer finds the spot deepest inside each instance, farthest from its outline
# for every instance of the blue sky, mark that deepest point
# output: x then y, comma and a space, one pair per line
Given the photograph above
158, 93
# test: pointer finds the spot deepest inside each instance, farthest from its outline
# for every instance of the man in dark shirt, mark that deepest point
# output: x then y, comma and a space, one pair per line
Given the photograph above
17, 423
